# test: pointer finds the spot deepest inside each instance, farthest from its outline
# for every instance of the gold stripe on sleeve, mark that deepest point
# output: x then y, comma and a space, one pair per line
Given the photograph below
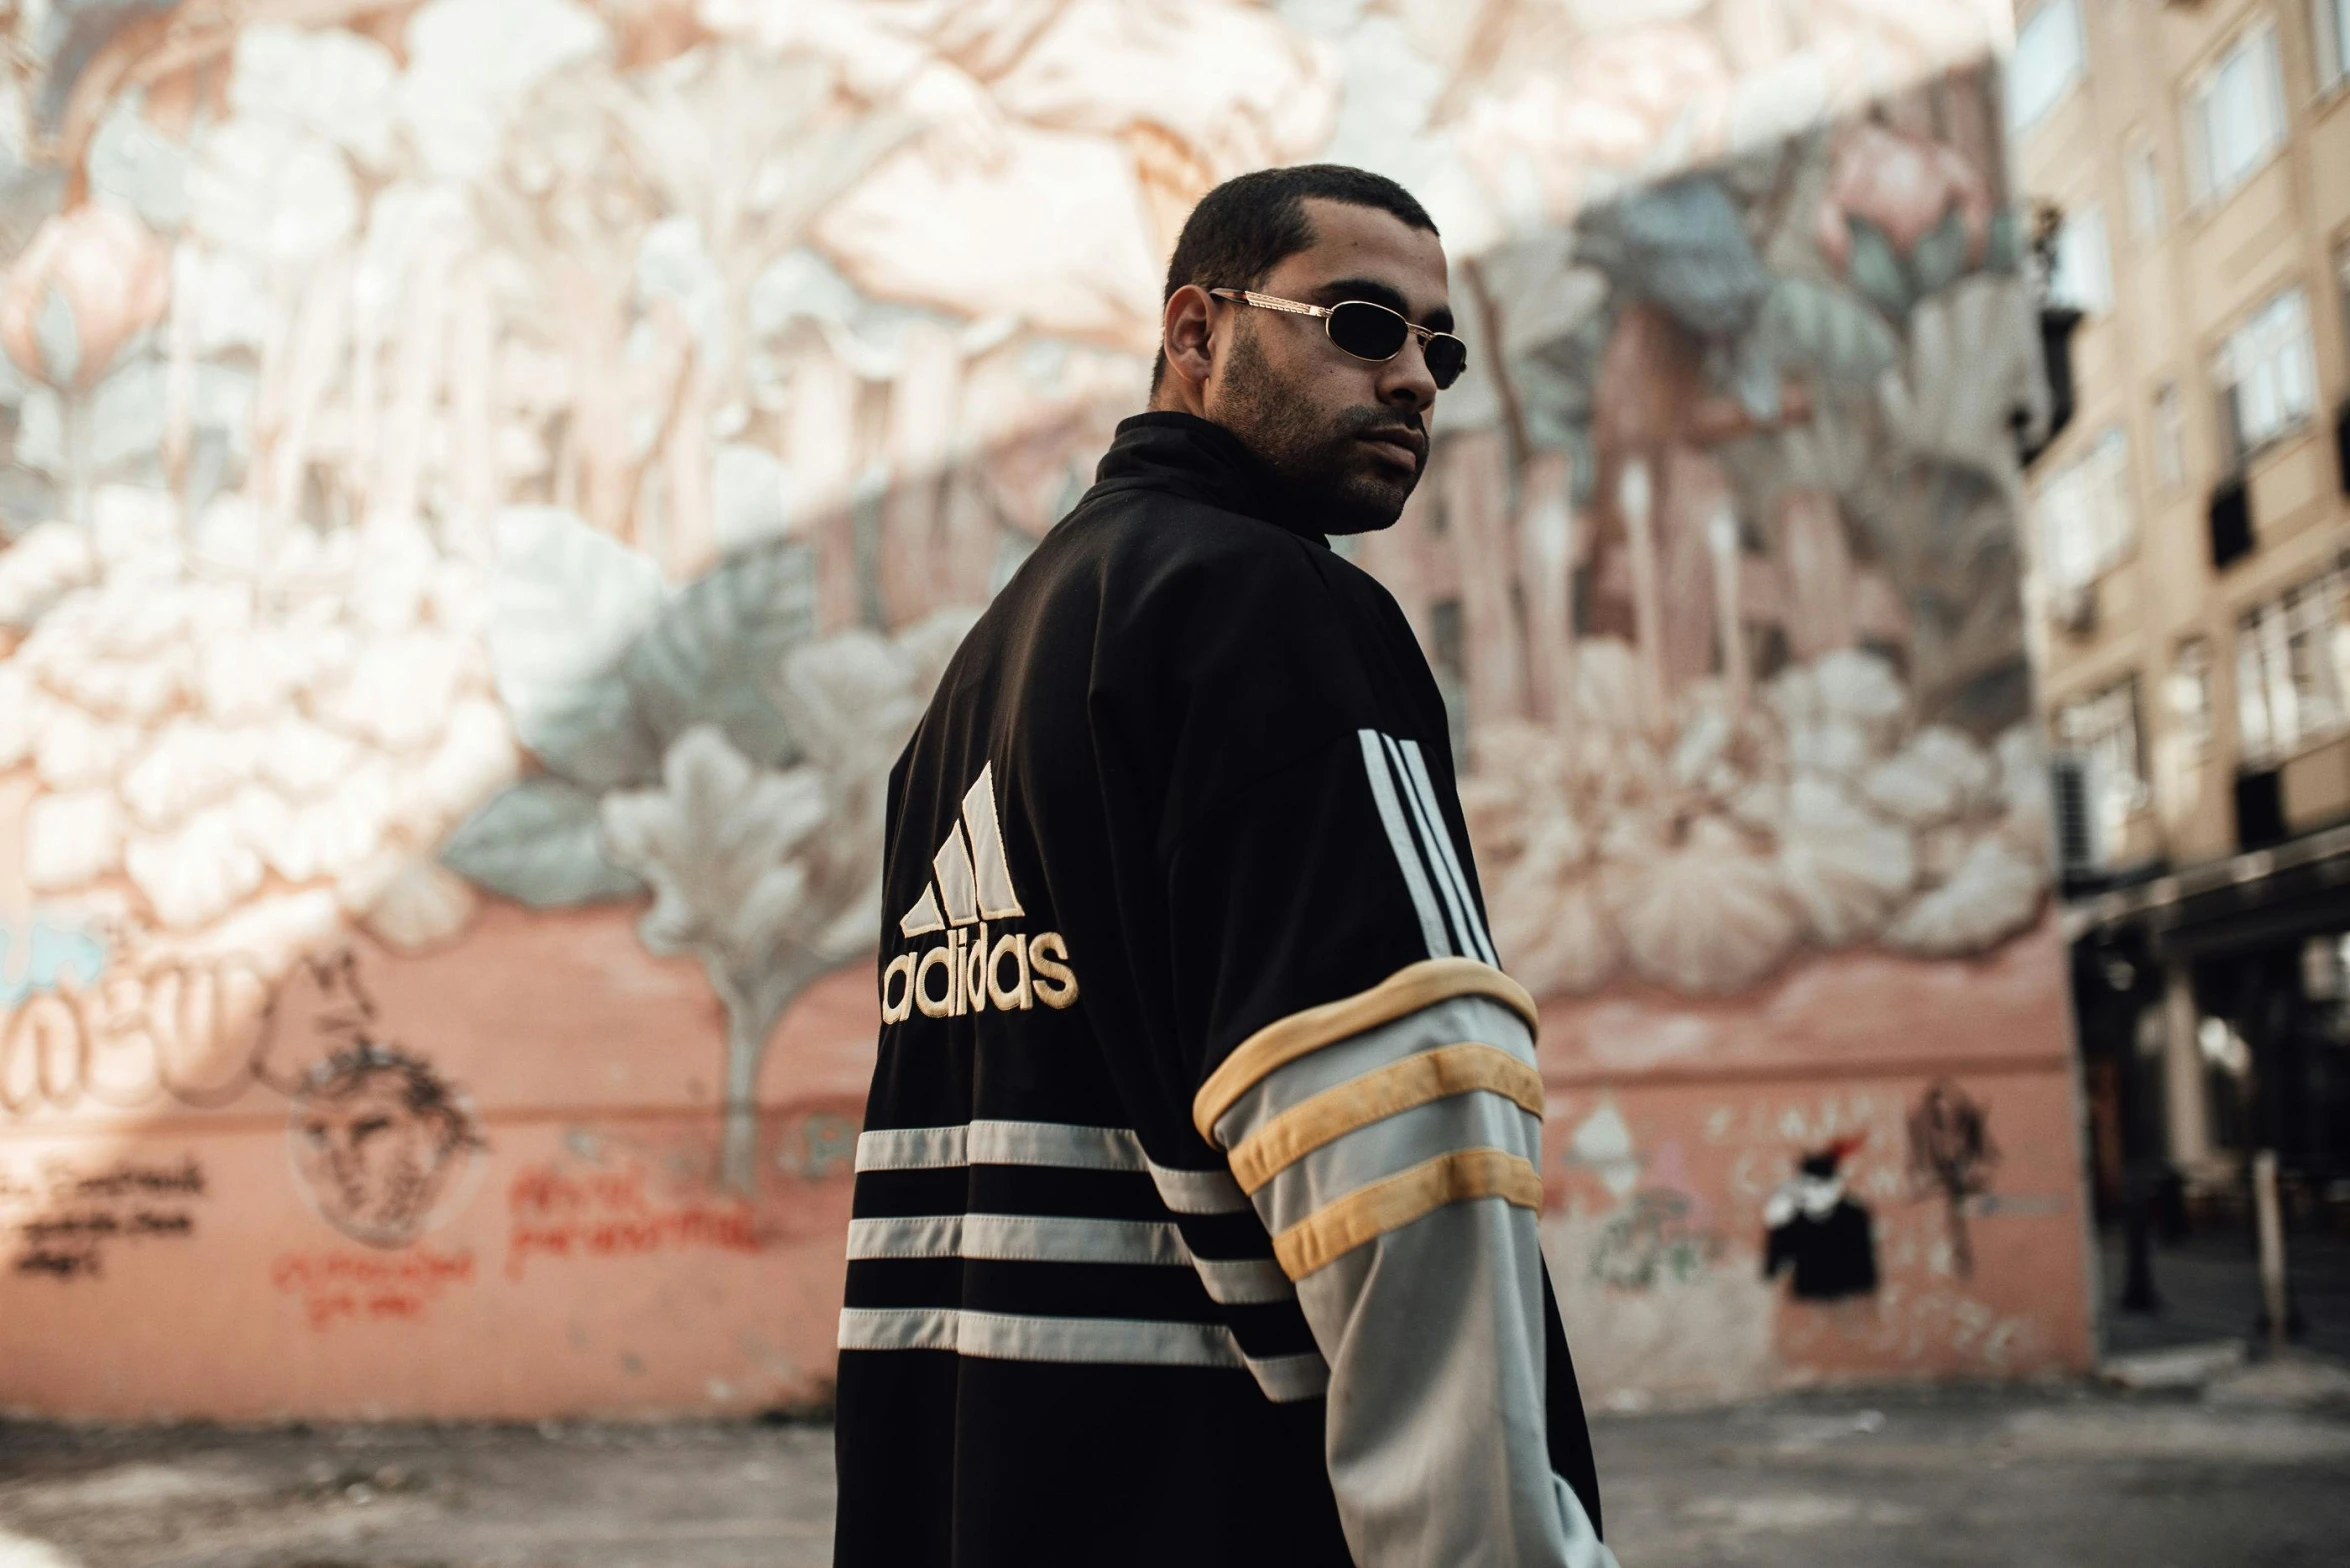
1409, 989
1399, 1086
1393, 1202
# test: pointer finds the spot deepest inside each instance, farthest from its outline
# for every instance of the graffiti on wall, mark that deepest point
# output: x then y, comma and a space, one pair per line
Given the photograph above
1821, 1236
64, 1218
382, 1143
1950, 1157
560, 1212
461, 458
338, 1285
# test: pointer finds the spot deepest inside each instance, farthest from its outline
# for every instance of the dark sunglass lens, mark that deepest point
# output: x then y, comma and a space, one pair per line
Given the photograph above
1366, 331
1447, 358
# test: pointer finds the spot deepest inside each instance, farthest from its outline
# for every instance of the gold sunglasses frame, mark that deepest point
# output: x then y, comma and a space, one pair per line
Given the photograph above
1426, 335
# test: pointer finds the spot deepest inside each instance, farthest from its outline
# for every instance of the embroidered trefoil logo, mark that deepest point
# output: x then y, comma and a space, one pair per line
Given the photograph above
975, 968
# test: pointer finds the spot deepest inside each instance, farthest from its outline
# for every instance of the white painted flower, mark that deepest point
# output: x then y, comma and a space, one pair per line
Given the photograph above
44, 565
475, 758
248, 675
1549, 919
1995, 893
76, 750
301, 759
470, 65
325, 81
272, 933
1708, 917
419, 905
273, 192
196, 873
1847, 879
71, 839
326, 836
1939, 775
139, 689
398, 692
189, 765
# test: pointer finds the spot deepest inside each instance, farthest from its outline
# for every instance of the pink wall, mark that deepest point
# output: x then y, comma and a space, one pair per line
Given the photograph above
468, 557
585, 1259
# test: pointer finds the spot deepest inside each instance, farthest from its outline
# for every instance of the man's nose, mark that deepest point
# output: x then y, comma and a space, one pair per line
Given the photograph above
1408, 379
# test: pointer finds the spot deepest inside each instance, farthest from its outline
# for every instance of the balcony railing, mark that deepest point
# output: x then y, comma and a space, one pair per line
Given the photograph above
2231, 522
2056, 352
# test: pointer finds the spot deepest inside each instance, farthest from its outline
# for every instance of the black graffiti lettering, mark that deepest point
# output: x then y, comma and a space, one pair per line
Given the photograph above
82, 1264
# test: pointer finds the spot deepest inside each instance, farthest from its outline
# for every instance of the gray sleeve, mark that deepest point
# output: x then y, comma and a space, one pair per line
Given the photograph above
1427, 1305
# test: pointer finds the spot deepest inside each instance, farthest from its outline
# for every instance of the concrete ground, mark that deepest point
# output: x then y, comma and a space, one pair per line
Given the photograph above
2057, 1477
2208, 1287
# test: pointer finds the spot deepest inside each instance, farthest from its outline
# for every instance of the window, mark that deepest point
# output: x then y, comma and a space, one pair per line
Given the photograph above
2187, 693
2102, 731
2293, 668
2170, 437
2267, 375
2050, 55
2083, 276
2235, 115
2329, 35
2145, 181
2086, 520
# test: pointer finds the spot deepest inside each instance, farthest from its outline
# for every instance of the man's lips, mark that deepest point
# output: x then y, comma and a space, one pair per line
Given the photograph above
1410, 445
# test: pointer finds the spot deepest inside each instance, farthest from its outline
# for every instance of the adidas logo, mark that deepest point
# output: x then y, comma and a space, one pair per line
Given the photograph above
974, 969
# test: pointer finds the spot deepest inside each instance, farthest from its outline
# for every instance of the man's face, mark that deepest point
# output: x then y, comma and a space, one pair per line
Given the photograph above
1349, 436
375, 1166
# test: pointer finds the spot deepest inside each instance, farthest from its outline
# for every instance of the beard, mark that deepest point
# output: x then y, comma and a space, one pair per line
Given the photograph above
1319, 458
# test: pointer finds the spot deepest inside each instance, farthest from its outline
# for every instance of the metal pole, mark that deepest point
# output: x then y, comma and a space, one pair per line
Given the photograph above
2273, 1309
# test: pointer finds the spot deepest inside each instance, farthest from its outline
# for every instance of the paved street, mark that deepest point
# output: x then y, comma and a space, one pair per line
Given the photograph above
2070, 1477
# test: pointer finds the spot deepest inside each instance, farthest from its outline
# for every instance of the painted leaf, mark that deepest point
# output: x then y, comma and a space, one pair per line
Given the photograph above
1937, 260
1875, 270
708, 657
1684, 245
1829, 330
538, 843
2003, 250
566, 606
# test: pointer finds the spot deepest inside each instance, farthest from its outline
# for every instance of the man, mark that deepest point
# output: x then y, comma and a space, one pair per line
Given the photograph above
1195, 1210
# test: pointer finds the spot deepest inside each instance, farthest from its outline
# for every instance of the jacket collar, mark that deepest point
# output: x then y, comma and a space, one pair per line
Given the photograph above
1182, 454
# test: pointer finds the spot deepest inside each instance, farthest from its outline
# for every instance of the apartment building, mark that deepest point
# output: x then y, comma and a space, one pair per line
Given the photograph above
2192, 571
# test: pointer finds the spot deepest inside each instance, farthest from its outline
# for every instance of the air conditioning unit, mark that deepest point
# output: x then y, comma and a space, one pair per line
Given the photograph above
2078, 850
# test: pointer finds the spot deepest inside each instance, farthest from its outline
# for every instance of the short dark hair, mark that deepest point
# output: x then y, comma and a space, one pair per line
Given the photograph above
1250, 224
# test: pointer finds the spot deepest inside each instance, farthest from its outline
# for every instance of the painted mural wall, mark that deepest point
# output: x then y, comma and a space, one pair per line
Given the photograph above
489, 484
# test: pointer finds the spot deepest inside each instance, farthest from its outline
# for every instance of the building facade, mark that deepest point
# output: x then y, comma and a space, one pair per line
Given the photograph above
486, 487
2191, 603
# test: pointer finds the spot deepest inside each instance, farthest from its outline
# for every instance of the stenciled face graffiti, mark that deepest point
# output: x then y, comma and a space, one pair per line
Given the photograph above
380, 1141
1818, 1232
1951, 1155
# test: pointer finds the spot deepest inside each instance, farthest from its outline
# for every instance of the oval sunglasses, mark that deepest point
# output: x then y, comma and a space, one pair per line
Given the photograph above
1370, 331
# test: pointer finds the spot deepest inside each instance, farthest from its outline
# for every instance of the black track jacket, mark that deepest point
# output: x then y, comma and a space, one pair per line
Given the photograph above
1182, 811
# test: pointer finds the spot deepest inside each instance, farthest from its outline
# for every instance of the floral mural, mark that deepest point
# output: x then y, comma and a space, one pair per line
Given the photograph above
488, 485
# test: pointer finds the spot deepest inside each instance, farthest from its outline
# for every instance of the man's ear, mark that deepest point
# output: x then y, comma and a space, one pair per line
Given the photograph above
1185, 332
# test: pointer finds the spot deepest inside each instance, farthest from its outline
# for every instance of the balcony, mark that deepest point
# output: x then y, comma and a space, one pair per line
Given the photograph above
2231, 522
2056, 353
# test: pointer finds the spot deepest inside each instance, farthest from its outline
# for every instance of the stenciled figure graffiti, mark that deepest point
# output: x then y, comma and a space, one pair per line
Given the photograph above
1951, 1153
1820, 1231
380, 1140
